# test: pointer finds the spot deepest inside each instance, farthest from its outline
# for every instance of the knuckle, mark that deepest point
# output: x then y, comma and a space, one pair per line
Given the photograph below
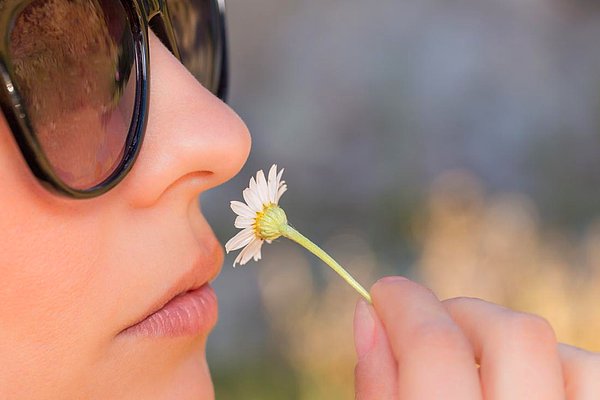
589, 365
584, 373
529, 329
462, 301
581, 369
438, 337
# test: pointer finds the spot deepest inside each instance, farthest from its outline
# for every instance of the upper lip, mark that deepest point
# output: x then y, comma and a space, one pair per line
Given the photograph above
204, 269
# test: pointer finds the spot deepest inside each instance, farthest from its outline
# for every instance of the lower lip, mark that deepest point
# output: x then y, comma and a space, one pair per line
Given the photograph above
190, 314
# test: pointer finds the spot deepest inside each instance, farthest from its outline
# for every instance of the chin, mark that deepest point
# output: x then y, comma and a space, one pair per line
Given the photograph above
191, 382
156, 370
189, 379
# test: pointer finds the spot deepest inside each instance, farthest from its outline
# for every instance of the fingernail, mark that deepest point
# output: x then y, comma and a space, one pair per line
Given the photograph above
393, 279
364, 329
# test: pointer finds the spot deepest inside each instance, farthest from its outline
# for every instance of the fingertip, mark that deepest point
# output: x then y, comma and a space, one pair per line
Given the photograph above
387, 281
392, 279
392, 287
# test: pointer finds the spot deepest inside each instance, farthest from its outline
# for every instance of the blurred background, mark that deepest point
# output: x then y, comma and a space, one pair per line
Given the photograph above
456, 142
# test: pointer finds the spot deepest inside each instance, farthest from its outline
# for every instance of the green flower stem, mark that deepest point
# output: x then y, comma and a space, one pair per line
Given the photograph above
303, 241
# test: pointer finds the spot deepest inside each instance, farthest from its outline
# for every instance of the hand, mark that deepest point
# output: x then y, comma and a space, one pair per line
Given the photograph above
411, 346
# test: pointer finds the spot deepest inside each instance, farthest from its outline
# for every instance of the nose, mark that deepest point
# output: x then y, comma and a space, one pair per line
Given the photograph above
193, 140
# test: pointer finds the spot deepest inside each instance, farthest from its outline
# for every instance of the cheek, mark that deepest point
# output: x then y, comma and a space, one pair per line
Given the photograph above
41, 263
49, 253
46, 272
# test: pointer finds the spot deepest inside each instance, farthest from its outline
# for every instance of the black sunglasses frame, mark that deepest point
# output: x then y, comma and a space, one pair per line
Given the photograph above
140, 13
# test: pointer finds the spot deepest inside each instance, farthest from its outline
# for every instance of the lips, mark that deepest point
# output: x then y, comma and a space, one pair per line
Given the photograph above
188, 314
190, 304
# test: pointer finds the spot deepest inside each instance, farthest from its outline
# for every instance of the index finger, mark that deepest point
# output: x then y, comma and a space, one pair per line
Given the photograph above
435, 360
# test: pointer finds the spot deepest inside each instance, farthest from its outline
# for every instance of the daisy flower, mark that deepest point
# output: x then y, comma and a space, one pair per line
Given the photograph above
261, 196
262, 220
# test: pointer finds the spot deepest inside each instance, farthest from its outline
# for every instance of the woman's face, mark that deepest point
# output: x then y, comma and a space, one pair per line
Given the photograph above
75, 273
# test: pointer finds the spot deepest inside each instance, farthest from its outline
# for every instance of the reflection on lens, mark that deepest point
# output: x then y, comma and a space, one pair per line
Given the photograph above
196, 35
73, 63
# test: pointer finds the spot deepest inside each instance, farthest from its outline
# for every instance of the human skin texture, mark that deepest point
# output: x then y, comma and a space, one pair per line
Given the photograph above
410, 345
77, 272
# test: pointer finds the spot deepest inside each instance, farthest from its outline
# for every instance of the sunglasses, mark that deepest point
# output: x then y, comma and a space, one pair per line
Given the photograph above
75, 80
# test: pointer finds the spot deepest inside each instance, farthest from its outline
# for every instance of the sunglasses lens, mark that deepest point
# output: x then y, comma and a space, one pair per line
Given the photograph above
199, 36
75, 69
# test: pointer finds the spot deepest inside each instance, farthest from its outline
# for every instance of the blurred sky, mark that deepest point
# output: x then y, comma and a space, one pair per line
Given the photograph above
366, 103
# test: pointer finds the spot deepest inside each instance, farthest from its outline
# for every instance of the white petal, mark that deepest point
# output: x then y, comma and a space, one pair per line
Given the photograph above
240, 240
252, 200
279, 174
249, 251
243, 222
272, 183
263, 191
237, 259
273, 172
281, 184
280, 193
257, 256
253, 186
242, 209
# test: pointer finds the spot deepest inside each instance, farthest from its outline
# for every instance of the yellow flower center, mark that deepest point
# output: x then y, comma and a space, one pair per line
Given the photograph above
270, 222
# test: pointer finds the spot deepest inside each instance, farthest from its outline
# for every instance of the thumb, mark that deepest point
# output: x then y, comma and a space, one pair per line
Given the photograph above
375, 375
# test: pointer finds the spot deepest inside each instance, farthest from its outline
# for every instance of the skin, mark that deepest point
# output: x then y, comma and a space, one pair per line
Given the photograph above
411, 345
76, 272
